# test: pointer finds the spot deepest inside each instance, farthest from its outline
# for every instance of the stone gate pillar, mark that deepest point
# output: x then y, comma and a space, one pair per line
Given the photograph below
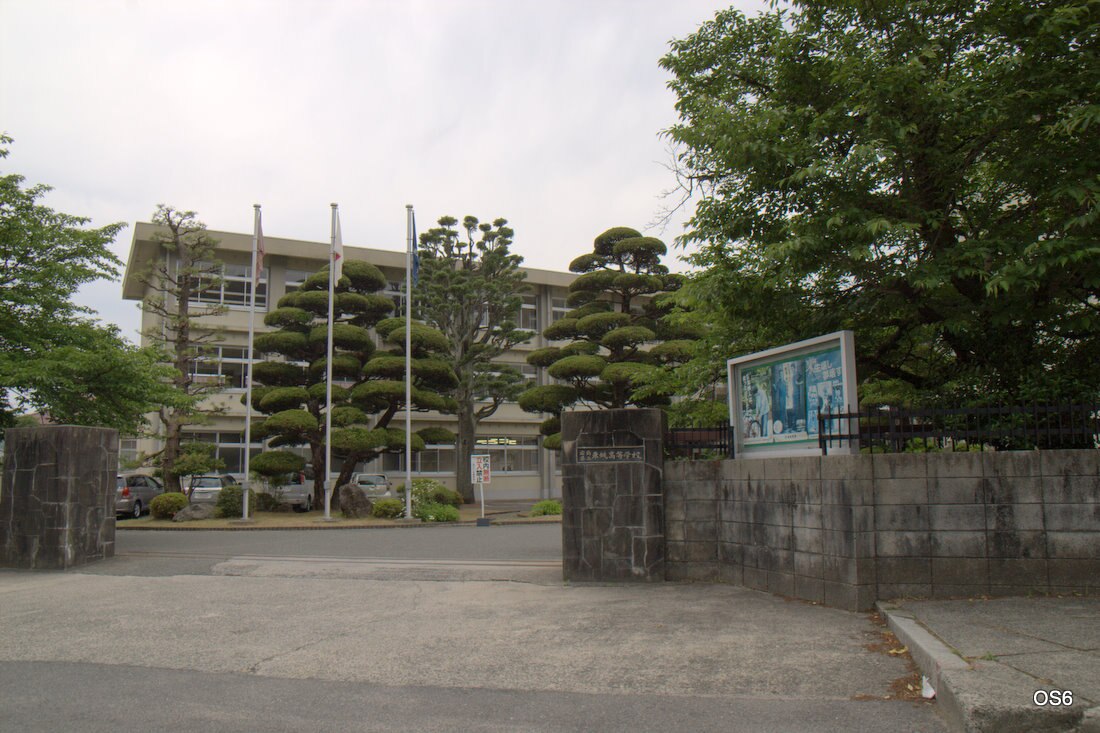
57, 497
612, 506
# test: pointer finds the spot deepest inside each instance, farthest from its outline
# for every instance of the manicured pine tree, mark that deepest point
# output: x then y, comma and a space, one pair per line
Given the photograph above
293, 388
617, 332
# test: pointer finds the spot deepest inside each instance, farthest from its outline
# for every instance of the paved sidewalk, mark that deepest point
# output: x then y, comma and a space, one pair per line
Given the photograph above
1004, 664
437, 629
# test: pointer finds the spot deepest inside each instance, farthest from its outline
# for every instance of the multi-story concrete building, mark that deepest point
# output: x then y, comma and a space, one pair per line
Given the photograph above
521, 467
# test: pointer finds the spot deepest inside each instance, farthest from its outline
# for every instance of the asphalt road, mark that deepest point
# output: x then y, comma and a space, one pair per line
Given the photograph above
433, 629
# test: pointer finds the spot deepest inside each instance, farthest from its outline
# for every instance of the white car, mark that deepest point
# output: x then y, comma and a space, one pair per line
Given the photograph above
205, 489
298, 493
374, 485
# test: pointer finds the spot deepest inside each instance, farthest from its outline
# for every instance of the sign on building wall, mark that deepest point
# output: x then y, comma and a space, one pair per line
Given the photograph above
776, 395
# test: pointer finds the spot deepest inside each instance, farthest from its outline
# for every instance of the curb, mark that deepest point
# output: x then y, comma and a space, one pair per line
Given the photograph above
931, 655
983, 696
325, 527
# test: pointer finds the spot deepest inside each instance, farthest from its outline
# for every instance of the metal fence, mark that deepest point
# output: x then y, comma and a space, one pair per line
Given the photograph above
699, 443
895, 430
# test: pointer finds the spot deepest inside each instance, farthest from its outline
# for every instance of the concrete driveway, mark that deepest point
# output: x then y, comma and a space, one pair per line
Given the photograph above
421, 629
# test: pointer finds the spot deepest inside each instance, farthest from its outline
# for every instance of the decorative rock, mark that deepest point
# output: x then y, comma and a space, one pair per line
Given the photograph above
354, 502
194, 511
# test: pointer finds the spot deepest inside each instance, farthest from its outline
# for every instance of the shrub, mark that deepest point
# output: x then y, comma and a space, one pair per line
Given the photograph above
426, 490
443, 495
431, 512
165, 506
266, 502
388, 509
229, 501
546, 508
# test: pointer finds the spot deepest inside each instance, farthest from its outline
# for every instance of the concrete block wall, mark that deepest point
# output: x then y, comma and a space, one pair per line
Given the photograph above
57, 496
798, 527
847, 530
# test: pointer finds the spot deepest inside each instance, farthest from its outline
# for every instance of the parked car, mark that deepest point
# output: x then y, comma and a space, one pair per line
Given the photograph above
374, 485
298, 493
205, 489
133, 494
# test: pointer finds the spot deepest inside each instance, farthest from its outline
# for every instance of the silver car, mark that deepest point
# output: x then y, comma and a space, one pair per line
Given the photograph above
205, 489
374, 485
133, 494
298, 493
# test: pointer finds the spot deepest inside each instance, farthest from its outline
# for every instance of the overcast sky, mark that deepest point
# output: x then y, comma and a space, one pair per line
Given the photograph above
545, 112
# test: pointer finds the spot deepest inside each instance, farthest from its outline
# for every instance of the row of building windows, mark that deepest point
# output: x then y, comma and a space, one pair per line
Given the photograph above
506, 455
229, 365
231, 285
512, 455
228, 446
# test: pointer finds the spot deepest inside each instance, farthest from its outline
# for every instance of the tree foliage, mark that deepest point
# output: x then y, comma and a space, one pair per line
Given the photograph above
619, 317
922, 173
54, 357
471, 290
293, 388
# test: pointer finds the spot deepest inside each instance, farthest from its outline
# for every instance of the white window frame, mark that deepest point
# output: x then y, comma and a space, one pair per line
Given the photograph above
231, 274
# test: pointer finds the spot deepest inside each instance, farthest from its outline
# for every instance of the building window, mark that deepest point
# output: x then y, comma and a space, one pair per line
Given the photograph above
229, 285
295, 279
222, 363
558, 309
510, 455
127, 452
434, 459
228, 446
396, 291
529, 313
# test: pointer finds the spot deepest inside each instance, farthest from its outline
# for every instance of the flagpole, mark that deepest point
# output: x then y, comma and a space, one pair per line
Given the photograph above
408, 358
328, 367
256, 235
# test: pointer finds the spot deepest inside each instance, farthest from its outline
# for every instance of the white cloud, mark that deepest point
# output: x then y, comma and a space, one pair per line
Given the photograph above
546, 113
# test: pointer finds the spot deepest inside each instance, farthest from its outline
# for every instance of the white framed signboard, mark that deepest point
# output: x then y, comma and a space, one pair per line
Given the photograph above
480, 472
775, 396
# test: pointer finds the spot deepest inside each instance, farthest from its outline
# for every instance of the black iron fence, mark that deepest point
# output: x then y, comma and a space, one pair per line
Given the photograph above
895, 430
698, 444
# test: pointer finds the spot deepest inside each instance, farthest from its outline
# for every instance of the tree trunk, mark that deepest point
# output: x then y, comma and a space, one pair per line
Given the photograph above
171, 452
464, 448
319, 469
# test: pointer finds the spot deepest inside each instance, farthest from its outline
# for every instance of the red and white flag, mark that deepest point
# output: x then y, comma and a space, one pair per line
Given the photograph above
337, 252
259, 249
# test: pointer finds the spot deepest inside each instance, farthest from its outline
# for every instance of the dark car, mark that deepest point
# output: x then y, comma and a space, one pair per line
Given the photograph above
133, 494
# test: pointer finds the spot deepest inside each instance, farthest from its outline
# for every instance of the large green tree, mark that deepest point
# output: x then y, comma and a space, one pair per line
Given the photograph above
471, 289
924, 173
293, 391
54, 357
179, 284
618, 332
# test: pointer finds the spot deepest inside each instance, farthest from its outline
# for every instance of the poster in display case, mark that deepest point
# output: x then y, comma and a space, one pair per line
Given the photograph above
777, 395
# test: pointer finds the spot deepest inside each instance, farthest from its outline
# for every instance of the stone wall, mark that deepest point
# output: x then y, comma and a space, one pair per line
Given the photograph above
847, 530
57, 496
612, 508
